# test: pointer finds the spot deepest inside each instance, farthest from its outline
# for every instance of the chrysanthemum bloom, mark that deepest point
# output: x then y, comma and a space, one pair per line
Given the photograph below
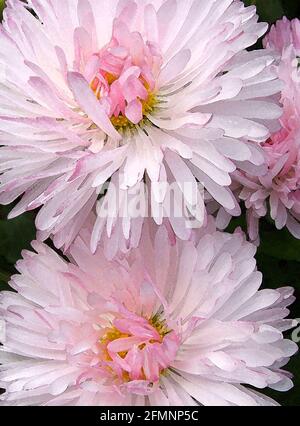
278, 191
130, 92
191, 329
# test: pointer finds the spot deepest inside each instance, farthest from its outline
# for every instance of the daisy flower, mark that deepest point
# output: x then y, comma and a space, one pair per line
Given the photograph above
278, 191
193, 329
102, 98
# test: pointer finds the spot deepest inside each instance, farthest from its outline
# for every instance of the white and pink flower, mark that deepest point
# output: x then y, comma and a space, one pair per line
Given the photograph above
278, 191
154, 92
181, 324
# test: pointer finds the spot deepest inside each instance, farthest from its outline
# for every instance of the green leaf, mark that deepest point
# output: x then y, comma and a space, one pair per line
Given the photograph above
2, 5
268, 10
239, 222
279, 244
15, 235
6, 271
4, 276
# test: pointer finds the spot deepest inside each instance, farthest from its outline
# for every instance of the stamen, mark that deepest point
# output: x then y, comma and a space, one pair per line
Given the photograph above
123, 78
148, 346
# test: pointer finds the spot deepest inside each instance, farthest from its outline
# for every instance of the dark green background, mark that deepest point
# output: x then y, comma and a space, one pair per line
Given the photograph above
278, 256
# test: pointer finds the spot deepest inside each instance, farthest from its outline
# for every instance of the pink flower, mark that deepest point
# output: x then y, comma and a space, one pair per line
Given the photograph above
133, 93
191, 329
284, 34
278, 191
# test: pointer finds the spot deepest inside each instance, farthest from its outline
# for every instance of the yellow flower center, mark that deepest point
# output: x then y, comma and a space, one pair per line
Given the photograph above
127, 355
121, 122
113, 334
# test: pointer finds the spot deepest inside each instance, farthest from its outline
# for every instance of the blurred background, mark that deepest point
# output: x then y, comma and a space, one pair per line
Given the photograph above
278, 256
